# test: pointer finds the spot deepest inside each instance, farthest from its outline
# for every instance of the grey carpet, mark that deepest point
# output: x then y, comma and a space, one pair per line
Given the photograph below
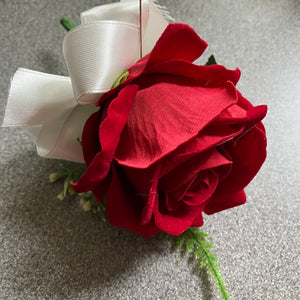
53, 250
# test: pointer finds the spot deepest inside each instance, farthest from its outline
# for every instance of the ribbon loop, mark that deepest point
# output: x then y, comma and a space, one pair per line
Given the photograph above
96, 52
107, 43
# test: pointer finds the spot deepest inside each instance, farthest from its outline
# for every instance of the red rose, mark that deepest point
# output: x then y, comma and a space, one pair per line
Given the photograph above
174, 140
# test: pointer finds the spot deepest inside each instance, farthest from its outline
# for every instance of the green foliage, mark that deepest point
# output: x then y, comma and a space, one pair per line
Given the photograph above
87, 200
79, 141
211, 61
192, 240
67, 23
195, 242
121, 79
69, 176
89, 203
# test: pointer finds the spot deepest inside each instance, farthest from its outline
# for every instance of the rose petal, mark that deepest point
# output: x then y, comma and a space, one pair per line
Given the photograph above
243, 102
225, 201
231, 122
171, 203
199, 192
233, 115
208, 76
207, 139
255, 115
166, 115
109, 135
124, 206
261, 127
178, 41
144, 183
186, 171
198, 222
90, 137
175, 222
102, 188
248, 153
153, 197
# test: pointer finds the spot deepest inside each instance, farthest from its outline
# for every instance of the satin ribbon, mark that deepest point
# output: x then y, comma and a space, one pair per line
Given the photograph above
55, 108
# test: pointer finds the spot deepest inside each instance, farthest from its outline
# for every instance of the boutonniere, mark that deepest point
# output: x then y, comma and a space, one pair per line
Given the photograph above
163, 140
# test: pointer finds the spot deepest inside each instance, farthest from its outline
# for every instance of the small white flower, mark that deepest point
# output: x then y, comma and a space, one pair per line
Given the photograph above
54, 177
61, 196
86, 204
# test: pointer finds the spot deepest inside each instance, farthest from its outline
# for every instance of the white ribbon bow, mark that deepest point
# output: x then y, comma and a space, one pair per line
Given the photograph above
55, 108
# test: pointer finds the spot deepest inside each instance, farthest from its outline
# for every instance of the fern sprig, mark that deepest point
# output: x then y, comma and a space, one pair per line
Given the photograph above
195, 242
192, 240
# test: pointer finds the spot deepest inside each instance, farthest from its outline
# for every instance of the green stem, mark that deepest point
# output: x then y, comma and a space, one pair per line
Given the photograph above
215, 272
67, 23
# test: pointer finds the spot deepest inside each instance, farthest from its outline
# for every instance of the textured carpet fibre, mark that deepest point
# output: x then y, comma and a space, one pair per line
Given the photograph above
53, 250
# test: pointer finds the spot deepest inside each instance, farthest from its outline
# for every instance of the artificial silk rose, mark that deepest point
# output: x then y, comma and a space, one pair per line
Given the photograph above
174, 140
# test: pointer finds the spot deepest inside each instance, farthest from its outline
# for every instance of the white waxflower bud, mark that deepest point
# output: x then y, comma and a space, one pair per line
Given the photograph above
54, 177
61, 196
86, 204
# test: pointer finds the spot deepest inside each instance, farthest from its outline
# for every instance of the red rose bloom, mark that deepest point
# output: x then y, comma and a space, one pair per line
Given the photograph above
174, 140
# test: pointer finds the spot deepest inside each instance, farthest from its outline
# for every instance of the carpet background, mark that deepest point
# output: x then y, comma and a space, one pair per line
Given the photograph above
53, 250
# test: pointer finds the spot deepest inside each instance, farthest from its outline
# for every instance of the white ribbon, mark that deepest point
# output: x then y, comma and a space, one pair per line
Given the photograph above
96, 52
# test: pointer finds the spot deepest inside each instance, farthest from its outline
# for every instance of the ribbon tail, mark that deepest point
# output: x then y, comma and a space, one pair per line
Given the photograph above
61, 138
44, 104
36, 98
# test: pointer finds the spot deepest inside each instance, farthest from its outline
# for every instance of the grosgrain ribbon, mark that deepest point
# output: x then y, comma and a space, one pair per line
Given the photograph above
55, 108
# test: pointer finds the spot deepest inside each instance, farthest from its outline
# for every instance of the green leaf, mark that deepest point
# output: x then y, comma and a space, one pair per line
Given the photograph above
179, 241
190, 245
67, 23
210, 262
211, 61
198, 254
203, 262
196, 243
202, 234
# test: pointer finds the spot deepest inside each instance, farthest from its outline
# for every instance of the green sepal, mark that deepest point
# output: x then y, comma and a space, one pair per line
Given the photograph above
211, 61
121, 79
